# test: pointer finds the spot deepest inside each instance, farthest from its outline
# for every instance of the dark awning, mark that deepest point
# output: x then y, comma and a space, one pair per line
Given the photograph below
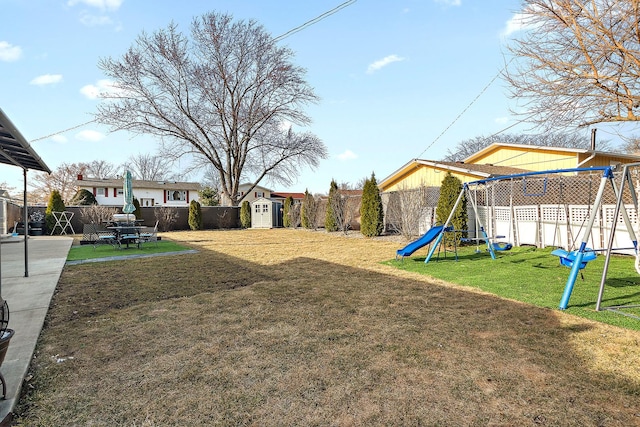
15, 150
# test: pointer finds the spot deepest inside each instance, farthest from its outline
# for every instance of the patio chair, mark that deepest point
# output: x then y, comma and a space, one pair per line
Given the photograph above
150, 236
104, 236
90, 232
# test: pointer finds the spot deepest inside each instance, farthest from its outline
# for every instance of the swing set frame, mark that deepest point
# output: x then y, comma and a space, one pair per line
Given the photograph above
578, 256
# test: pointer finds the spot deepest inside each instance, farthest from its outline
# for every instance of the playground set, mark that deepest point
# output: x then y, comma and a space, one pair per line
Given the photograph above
574, 221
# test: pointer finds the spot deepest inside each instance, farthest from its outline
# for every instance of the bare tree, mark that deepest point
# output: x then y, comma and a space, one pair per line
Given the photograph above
166, 216
577, 62
294, 215
10, 190
466, 148
346, 207
407, 209
97, 214
62, 179
221, 95
149, 167
632, 145
101, 169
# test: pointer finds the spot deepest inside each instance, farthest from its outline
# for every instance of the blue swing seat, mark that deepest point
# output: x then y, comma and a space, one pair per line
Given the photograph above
501, 246
567, 258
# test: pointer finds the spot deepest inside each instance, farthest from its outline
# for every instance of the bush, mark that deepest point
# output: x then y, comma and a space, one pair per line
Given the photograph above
371, 213
166, 217
137, 211
245, 214
55, 204
83, 198
308, 211
286, 214
97, 214
209, 196
330, 220
449, 192
195, 215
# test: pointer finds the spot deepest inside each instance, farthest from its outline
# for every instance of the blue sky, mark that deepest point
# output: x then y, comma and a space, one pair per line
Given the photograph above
392, 75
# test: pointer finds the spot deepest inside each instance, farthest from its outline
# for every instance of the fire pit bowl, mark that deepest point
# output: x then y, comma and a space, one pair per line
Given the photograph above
4, 346
5, 336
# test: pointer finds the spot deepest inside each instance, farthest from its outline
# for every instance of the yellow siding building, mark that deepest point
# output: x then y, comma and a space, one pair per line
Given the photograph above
427, 173
499, 159
535, 158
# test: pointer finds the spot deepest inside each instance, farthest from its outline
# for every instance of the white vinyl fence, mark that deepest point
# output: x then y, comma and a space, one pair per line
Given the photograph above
555, 226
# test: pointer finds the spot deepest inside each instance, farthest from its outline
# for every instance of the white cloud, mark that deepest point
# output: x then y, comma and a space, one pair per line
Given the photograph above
46, 79
59, 138
513, 25
100, 4
520, 21
90, 136
450, 2
375, 66
101, 86
9, 53
347, 155
89, 20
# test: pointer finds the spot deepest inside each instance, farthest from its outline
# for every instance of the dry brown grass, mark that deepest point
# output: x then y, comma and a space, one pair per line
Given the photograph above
292, 327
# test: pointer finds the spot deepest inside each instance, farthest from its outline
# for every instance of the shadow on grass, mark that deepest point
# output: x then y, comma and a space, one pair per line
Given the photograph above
307, 342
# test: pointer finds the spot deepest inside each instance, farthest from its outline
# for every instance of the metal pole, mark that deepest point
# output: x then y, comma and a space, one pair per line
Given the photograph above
444, 226
575, 268
26, 225
612, 233
619, 202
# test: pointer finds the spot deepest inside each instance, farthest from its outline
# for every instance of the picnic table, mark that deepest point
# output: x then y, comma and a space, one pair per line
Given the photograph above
127, 234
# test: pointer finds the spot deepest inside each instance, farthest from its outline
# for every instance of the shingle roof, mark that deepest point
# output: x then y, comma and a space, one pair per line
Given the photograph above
491, 170
295, 196
139, 183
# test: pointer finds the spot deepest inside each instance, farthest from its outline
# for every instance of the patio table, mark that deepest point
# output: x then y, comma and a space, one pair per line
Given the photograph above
127, 234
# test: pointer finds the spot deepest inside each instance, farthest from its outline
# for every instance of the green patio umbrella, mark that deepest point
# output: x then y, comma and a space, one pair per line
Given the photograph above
128, 194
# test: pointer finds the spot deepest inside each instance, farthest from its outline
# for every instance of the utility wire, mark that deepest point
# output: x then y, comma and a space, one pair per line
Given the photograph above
484, 89
314, 20
63, 131
277, 39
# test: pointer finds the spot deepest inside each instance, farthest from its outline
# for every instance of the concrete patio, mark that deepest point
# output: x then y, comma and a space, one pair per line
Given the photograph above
28, 299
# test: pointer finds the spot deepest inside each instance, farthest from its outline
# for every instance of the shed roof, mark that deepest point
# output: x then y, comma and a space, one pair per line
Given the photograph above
15, 150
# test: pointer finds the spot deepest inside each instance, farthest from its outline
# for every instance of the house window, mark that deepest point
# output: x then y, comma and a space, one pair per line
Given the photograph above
176, 195
265, 208
100, 191
257, 208
259, 193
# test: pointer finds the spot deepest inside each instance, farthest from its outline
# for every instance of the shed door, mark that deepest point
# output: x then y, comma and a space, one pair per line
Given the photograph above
262, 215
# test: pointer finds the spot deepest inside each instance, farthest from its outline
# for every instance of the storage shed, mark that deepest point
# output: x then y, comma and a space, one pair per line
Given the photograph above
266, 213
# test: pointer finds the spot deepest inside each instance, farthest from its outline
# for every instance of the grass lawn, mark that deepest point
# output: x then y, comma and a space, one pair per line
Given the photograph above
82, 252
536, 277
294, 327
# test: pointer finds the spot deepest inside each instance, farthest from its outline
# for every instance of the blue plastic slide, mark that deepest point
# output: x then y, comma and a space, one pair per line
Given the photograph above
423, 241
